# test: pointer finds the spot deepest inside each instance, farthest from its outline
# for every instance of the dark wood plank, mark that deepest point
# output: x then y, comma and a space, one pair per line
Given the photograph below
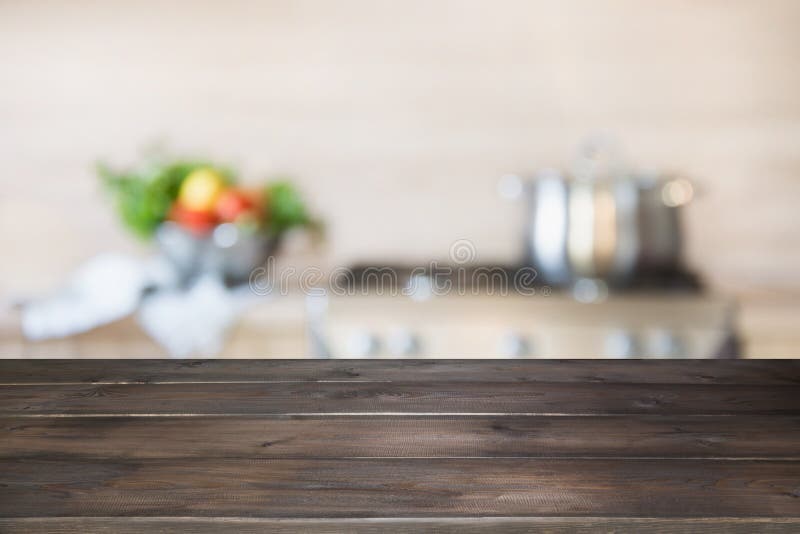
601, 371
507, 525
377, 436
222, 487
657, 440
374, 397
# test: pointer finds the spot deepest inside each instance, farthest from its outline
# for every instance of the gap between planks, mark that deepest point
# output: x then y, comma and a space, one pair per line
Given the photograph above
378, 414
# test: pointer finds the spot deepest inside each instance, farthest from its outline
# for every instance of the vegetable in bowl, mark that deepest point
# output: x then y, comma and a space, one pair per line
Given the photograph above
201, 219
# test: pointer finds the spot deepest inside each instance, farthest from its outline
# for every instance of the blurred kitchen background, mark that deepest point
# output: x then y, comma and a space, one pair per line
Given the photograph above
397, 121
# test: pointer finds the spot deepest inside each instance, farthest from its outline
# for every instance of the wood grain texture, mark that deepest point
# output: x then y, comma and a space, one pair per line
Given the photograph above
406, 487
377, 436
396, 397
401, 446
741, 372
508, 525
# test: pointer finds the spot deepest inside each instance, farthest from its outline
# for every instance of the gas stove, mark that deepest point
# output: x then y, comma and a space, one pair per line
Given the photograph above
454, 312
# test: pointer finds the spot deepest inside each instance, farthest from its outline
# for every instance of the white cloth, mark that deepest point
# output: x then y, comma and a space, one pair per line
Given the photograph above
104, 289
193, 321
185, 321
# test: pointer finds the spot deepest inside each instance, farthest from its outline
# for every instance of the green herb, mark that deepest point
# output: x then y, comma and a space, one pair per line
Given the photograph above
286, 207
145, 196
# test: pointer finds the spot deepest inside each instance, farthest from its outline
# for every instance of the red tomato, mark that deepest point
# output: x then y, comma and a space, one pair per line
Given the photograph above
199, 223
233, 203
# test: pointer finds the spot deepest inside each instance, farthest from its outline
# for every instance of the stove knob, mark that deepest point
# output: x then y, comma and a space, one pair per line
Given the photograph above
514, 345
363, 345
622, 344
667, 344
404, 343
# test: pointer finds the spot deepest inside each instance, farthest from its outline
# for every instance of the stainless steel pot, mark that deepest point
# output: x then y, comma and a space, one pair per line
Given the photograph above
602, 221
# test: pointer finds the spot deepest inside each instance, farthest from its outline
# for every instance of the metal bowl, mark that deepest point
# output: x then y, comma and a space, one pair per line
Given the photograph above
229, 252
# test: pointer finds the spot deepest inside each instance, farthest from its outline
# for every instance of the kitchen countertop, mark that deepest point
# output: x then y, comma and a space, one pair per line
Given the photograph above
401, 445
766, 324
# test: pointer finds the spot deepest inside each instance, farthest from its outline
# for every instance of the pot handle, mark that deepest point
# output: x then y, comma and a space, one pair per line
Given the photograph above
677, 191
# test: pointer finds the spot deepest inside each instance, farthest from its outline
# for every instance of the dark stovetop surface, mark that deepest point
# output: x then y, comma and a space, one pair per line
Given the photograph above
479, 276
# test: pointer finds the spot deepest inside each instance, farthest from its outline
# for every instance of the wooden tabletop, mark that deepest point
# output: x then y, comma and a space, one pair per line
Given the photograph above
402, 445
